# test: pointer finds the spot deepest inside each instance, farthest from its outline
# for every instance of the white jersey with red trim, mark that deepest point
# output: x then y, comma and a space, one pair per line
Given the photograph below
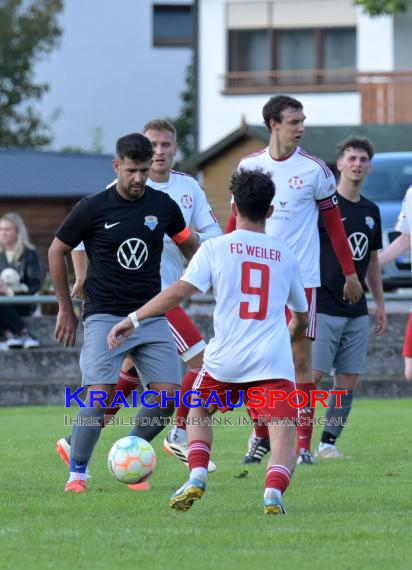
253, 277
191, 199
404, 222
197, 212
301, 181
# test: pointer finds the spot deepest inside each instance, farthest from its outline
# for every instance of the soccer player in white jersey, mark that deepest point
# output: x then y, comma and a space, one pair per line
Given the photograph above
197, 212
398, 247
253, 277
304, 186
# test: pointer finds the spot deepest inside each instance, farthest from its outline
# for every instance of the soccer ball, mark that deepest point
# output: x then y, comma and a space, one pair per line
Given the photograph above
10, 277
131, 460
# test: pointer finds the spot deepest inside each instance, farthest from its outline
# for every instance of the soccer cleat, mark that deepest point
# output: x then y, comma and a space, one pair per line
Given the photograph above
139, 486
63, 449
258, 447
179, 449
305, 457
274, 506
328, 451
190, 492
76, 486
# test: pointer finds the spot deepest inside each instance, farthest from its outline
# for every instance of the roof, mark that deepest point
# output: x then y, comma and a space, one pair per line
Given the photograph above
320, 141
38, 174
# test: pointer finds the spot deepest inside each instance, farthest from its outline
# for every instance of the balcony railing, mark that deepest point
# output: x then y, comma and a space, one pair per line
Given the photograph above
385, 96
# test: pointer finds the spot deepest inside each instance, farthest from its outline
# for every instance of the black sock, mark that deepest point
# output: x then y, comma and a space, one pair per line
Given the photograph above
328, 438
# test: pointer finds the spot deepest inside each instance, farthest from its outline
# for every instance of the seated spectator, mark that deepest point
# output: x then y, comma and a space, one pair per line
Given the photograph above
20, 274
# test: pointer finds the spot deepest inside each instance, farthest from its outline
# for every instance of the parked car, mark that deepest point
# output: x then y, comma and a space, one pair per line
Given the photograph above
386, 185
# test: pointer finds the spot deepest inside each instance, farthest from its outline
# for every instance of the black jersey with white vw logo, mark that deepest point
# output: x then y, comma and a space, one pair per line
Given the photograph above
124, 242
362, 224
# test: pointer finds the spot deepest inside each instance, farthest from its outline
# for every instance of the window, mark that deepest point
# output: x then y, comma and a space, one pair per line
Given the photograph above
283, 50
249, 50
172, 25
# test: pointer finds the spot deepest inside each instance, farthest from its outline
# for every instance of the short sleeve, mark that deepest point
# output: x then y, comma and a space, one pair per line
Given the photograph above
77, 225
325, 183
177, 222
199, 270
203, 214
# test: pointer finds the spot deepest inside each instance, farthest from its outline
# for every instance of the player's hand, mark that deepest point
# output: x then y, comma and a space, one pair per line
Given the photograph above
352, 290
66, 325
119, 333
380, 321
78, 290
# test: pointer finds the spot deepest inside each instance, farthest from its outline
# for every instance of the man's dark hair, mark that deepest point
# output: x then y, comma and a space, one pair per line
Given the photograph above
360, 143
135, 146
253, 192
274, 108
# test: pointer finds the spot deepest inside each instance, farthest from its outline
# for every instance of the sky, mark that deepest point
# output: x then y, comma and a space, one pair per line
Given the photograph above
106, 75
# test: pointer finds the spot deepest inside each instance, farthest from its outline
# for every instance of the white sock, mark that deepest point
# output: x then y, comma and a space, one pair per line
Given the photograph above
271, 492
199, 473
74, 476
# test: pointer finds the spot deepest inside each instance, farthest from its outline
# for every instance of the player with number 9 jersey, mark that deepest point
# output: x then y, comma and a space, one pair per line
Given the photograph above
251, 339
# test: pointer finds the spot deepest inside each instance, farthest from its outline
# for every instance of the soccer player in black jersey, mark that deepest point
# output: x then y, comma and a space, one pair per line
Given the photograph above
122, 228
342, 328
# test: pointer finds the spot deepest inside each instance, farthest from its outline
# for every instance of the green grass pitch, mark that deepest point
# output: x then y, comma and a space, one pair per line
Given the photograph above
353, 514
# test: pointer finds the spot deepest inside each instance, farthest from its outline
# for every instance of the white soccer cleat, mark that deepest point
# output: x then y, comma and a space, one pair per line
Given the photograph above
328, 451
175, 444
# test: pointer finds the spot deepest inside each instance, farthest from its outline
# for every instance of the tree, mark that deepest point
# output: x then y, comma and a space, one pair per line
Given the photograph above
28, 31
383, 7
185, 121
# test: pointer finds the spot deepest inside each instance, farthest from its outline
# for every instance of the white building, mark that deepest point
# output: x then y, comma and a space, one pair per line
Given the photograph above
345, 67
118, 65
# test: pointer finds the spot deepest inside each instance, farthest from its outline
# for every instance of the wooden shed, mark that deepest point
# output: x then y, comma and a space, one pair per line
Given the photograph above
43, 186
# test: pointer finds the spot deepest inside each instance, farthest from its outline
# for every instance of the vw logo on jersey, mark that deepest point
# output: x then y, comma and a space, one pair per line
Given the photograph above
370, 222
151, 222
132, 253
359, 245
186, 201
295, 183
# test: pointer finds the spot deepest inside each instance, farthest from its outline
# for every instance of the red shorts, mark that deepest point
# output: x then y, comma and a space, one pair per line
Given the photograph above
311, 299
188, 339
207, 385
407, 343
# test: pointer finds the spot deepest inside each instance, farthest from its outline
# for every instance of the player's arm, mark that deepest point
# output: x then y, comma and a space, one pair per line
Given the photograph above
298, 305
187, 242
374, 283
352, 290
163, 302
66, 323
398, 247
79, 260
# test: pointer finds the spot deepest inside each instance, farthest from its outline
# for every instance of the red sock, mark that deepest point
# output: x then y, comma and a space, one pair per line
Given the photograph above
306, 416
187, 384
199, 454
127, 382
277, 477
